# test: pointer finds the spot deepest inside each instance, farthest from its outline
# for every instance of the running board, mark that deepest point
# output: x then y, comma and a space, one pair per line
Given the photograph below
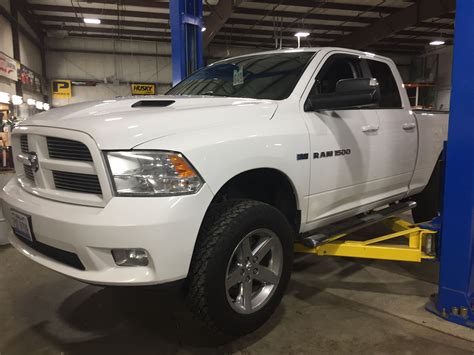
350, 225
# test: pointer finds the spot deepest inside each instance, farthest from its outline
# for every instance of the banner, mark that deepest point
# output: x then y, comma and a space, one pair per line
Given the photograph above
61, 89
29, 79
8, 67
143, 89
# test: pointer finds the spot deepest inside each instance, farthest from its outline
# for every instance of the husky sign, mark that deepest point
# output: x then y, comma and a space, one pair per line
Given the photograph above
143, 89
62, 89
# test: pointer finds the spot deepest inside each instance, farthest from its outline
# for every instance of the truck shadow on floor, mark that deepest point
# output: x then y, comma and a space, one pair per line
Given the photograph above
131, 321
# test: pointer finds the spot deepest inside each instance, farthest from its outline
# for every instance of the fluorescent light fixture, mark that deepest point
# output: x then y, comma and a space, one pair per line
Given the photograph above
4, 98
31, 102
301, 34
46, 107
92, 21
203, 29
437, 42
17, 100
39, 105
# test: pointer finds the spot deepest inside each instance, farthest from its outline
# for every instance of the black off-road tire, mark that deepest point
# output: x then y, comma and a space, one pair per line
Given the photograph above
225, 225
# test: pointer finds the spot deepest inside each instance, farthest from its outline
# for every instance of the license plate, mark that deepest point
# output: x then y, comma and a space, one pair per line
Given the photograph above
21, 225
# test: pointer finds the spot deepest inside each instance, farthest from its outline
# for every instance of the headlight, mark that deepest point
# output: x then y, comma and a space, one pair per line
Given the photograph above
152, 173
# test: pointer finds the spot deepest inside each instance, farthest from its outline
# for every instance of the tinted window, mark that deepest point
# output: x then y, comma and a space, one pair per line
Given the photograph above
336, 68
390, 96
265, 76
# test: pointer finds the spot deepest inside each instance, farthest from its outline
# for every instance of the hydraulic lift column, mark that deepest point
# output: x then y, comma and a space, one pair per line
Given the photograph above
186, 37
455, 300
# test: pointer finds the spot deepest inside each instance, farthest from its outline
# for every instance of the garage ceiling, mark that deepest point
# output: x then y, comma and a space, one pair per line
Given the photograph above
390, 25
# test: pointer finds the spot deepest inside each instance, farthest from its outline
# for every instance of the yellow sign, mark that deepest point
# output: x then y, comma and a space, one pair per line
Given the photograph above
143, 89
62, 89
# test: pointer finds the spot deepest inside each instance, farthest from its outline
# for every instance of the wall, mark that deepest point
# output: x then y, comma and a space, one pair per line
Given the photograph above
6, 46
137, 61
29, 55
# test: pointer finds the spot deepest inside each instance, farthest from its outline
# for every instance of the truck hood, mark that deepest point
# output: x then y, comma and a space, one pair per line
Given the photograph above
127, 122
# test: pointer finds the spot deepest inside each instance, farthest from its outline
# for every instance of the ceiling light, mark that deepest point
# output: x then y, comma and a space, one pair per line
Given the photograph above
17, 100
4, 98
437, 42
92, 21
301, 34
31, 102
203, 29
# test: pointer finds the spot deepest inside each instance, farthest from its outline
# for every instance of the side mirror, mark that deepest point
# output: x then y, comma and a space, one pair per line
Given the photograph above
350, 93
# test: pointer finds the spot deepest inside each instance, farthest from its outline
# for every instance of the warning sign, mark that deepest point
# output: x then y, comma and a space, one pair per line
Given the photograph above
143, 89
62, 89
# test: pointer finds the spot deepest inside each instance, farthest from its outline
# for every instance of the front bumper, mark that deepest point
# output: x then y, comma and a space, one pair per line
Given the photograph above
166, 227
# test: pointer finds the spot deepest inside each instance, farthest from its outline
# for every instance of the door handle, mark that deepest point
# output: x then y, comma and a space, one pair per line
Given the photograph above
370, 128
407, 126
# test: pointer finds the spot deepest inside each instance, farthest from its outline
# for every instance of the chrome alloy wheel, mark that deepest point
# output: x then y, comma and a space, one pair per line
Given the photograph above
254, 271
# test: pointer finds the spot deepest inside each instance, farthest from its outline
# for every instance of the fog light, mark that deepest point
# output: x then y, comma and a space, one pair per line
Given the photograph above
130, 257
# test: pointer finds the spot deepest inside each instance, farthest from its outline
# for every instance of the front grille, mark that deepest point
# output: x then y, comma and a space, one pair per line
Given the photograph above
62, 256
29, 172
85, 183
24, 143
67, 149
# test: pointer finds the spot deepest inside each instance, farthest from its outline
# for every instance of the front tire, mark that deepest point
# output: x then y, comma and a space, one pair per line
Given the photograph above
241, 266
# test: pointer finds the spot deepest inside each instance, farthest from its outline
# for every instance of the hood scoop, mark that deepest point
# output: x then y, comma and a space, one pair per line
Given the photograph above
153, 103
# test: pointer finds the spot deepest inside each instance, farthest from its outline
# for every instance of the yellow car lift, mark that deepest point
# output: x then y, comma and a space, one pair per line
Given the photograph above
418, 244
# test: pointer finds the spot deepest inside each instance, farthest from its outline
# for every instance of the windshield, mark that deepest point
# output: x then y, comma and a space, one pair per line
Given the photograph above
264, 76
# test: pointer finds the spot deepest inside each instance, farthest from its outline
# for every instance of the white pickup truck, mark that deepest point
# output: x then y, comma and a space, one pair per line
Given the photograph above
213, 182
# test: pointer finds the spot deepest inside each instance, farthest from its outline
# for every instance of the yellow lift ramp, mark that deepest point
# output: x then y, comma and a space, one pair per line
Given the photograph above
405, 242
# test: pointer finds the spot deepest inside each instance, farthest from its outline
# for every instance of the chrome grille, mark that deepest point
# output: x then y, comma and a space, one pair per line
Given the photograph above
29, 172
60, 148
24, 143
85, 183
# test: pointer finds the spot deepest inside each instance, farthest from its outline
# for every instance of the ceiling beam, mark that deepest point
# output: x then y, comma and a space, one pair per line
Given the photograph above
218, 17
120, 37
98, 11
64, 19
330, 5
305, 15
271, 33
410, 16
291, 15
307, 26
114, 31
143, 3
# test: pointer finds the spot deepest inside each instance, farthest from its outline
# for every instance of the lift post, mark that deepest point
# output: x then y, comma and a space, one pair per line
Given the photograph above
455, 298
186, 37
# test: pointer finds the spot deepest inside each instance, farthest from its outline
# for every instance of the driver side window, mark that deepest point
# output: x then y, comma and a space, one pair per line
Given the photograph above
337, 67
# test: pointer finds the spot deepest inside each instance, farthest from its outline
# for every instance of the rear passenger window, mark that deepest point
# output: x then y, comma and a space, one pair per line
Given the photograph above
390, 96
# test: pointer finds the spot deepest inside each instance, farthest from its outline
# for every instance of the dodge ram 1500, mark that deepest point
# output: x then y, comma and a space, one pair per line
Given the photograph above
213, 182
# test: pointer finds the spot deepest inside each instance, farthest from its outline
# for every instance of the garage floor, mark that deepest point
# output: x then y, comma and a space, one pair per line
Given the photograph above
332, 306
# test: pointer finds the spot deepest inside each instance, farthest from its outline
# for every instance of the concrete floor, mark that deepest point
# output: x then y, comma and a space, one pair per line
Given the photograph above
332, 306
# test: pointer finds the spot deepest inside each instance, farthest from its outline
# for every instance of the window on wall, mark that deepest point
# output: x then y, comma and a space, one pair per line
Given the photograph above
390, 96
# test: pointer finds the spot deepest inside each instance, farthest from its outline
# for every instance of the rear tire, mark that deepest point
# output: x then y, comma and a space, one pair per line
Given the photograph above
241, 266
428, 202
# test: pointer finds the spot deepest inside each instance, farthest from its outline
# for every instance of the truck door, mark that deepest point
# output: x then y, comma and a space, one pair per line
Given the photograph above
345, 146
398, 130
